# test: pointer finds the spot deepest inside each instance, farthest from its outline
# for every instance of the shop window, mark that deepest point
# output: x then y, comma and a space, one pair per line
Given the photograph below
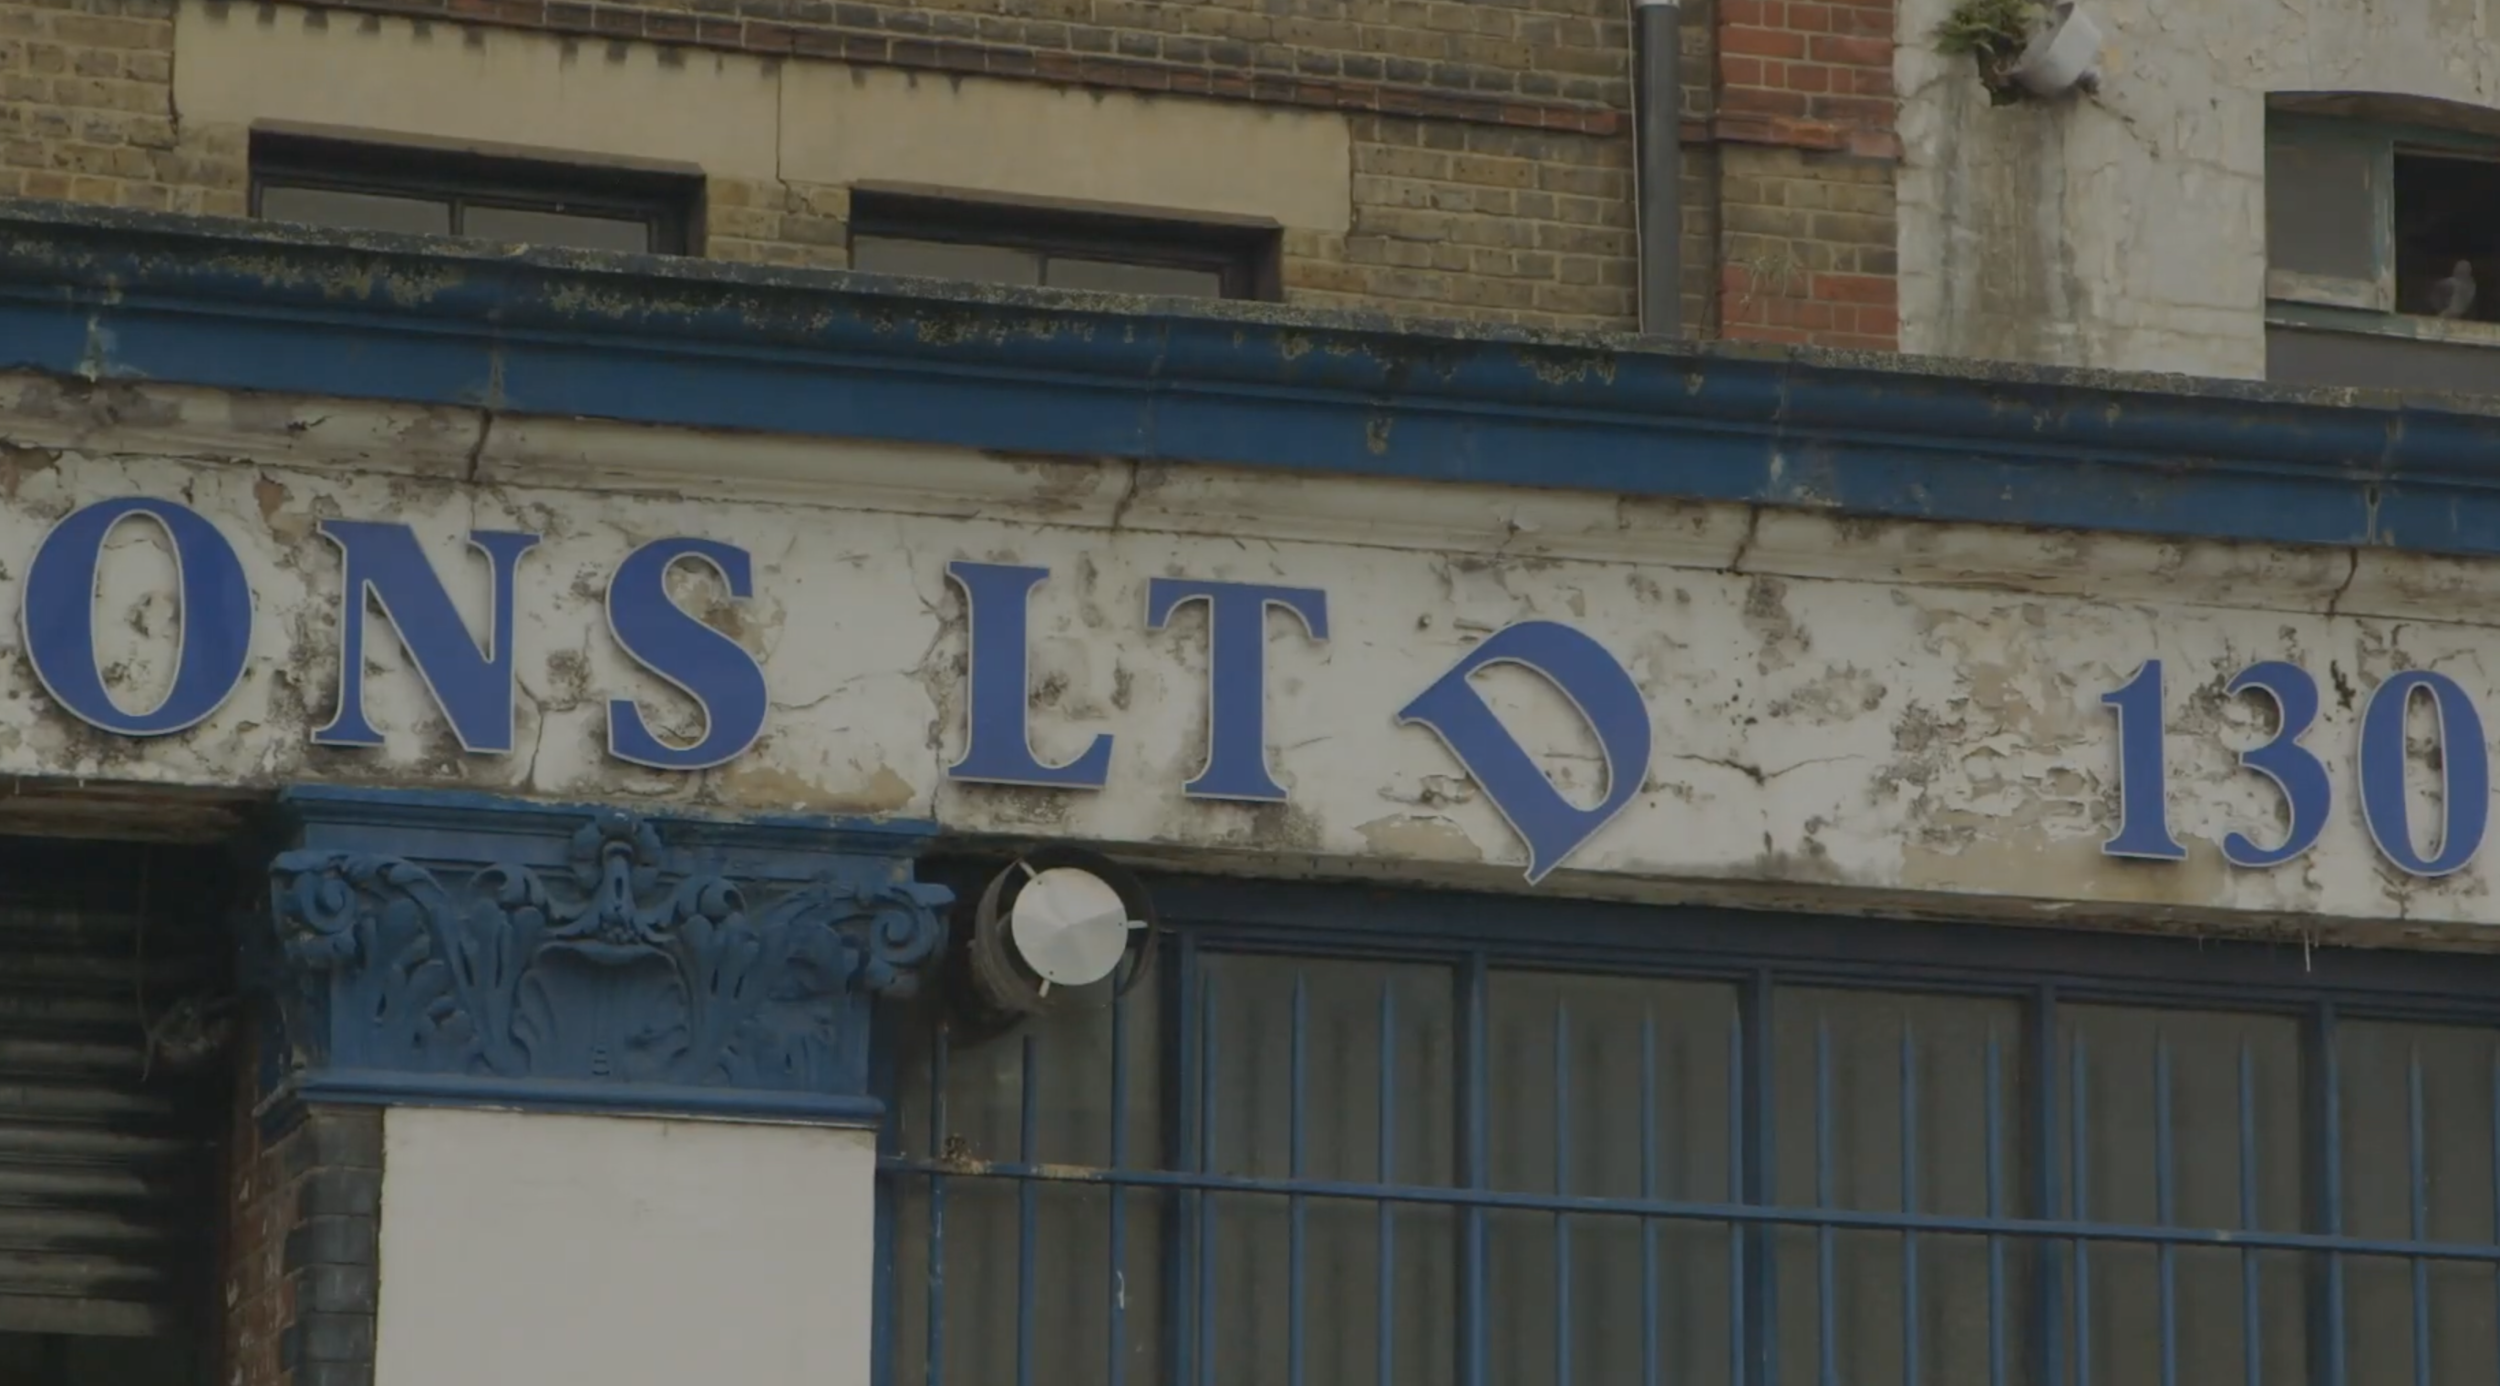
113, 979
2383, 256
1039, 245
351, 185
1587, 1144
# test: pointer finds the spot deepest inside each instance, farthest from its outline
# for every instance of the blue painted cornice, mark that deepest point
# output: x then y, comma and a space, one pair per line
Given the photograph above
430, 949
110, 295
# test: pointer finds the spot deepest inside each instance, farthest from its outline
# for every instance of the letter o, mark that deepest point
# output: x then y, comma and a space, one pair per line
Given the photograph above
214, 637
2465, 773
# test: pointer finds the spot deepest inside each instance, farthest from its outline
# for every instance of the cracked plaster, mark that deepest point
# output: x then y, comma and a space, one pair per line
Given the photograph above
1853, 714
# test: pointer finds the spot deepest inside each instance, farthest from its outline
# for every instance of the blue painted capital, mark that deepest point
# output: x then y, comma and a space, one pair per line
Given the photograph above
455, 949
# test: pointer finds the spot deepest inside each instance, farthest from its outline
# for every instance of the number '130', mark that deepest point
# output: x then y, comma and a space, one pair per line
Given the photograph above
2465, 792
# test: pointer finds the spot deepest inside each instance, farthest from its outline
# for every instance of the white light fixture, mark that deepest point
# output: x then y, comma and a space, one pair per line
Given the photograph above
1070, 926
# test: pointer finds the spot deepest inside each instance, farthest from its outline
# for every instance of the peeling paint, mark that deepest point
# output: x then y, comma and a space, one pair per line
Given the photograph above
1894, 714
1422, 839
765, 787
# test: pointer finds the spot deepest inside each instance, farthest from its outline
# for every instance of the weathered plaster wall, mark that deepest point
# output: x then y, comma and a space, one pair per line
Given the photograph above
2127, 230
1862, 715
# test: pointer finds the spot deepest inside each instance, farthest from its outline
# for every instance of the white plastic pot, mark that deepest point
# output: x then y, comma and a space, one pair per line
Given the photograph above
2064, 53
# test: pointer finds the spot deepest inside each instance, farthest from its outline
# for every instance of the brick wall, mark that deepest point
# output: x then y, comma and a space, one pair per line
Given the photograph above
1544, 63
1492, 173
1484, 221
802, 225
1808, 236
87, 111
1808, 249
1492, 159
1450, 219
300, 1278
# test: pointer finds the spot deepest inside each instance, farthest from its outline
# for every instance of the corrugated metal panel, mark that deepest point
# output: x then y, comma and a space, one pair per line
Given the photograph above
107, 1199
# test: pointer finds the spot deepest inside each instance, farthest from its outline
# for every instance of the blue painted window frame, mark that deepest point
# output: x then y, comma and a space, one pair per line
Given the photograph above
2040, 969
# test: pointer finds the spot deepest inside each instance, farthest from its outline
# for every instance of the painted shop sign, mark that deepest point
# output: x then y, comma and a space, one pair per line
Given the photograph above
2464, 762
472, 683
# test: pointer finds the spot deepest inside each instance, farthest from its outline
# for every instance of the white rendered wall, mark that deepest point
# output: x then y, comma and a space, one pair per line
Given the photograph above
521, 1249
1850, 715
2127, 230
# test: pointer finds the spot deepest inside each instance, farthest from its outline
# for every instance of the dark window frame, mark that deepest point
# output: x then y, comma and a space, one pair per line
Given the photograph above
669, 204
1245, 255
2338, 330
1762, 956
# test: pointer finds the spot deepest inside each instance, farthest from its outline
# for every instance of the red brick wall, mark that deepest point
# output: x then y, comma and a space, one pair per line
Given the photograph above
1808, 230
1817, 75
300, 1276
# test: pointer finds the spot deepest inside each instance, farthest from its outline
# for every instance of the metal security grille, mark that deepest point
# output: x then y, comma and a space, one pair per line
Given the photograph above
1382, 1141
106, 1194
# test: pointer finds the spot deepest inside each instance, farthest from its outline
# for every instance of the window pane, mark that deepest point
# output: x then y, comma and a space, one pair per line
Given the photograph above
1074, 1285
1571, 1112
1067, 1058
1348, 1072
2322, 208
1616, 1087
521, 225
1884, 1104
983, 264
1378, 1049
2227, 1150
1248, 1007
355, 211
2395, 1081
1066, 1061
1111, 276
2444, 210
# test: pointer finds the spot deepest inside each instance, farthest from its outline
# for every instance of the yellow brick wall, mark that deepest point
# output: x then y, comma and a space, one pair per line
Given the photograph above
1449, 220
1491, 169
1479, 221
86, 111
792, 224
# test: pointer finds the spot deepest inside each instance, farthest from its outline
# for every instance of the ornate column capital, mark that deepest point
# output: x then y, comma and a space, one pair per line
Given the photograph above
467, 950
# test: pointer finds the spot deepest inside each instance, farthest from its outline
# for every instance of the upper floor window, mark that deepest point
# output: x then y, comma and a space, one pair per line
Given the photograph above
352, 185
2383, 251
1049, 246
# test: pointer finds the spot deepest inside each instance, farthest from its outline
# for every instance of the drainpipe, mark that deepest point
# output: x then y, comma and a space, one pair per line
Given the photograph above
1658, 144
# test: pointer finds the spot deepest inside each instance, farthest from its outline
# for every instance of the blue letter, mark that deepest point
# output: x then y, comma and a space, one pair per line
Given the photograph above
58, 617
474, 690
996, 749
707, 666
2294, 768
1236, 674
1607, 700
2464, 774
2143, 810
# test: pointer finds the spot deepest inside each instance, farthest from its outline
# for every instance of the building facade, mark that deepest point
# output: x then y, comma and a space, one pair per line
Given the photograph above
2242, 194
1714, 785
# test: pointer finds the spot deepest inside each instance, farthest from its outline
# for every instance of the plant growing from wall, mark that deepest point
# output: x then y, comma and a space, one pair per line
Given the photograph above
1994, 33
